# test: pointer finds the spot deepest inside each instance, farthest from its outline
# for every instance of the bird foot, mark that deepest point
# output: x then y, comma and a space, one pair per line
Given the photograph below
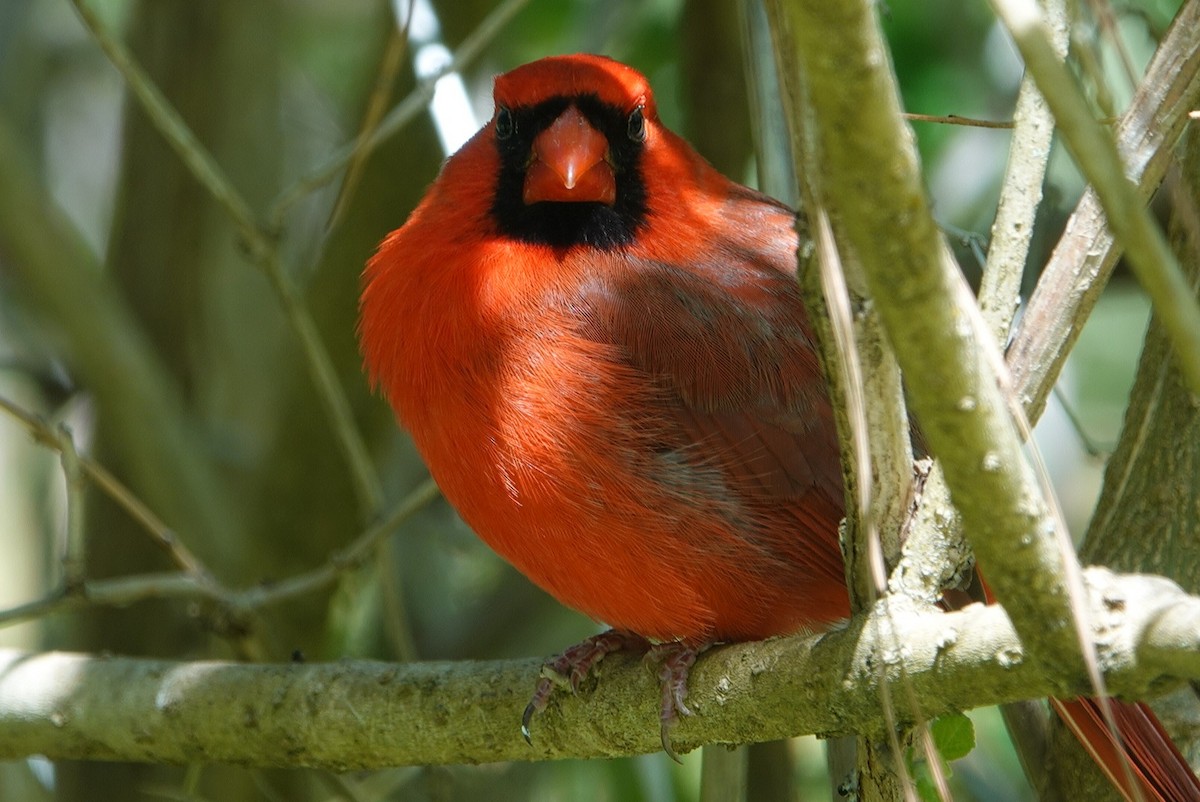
571, 667
675, 661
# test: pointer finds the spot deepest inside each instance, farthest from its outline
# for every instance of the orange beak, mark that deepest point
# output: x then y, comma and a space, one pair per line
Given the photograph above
568, 163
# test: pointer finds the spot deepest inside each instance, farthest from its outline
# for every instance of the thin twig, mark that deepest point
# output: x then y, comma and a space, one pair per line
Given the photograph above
389, 67
118, 592
124, 591
50, 603
972, 122
955, 119
341, 561
262, 250
159, 532
404, 112
1096, 155
1020, 193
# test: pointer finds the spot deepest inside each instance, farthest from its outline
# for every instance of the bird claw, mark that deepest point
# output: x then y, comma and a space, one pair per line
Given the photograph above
571, 668
675, 661
541, 695
664, 734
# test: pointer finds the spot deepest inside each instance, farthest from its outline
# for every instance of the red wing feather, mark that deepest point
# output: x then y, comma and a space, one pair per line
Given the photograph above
730, 346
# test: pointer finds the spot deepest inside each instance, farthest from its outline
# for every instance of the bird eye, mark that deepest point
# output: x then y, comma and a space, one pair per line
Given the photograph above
637, 125
506, 126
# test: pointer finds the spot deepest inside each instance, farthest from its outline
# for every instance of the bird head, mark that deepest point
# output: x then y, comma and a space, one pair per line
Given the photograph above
570, 132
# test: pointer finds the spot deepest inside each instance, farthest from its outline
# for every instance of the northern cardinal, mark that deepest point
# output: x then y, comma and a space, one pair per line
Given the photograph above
599, 348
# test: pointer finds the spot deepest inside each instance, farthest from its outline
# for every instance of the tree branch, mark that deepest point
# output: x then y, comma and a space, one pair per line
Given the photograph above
109, 350
358, 715
873, 182
201, 584
1085, 257
1020, 192
56, 440
262, 249
1096, 155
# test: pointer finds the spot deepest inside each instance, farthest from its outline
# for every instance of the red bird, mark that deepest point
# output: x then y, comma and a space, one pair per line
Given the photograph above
598, 346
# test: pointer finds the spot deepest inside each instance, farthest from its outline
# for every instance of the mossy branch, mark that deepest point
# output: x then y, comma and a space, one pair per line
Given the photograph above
872, 182
362, 715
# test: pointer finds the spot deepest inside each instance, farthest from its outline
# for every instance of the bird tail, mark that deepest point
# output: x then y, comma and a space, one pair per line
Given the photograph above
1140, 759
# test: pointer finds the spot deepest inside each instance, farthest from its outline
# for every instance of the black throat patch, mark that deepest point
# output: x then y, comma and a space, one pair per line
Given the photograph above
564, 224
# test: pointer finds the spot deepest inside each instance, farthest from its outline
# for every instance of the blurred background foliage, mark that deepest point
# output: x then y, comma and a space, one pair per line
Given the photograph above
272, 88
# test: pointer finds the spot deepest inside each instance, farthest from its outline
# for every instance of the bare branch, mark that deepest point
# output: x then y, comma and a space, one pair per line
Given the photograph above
263, 250
127, 590
1020, 193
159, 532
957, 119
1087, 253
932, 322
1096, 155
356, 715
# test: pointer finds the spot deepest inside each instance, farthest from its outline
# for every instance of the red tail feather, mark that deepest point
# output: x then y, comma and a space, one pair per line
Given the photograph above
1145, 763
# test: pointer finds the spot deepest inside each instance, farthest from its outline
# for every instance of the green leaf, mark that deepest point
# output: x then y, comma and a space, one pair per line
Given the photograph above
953, 735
